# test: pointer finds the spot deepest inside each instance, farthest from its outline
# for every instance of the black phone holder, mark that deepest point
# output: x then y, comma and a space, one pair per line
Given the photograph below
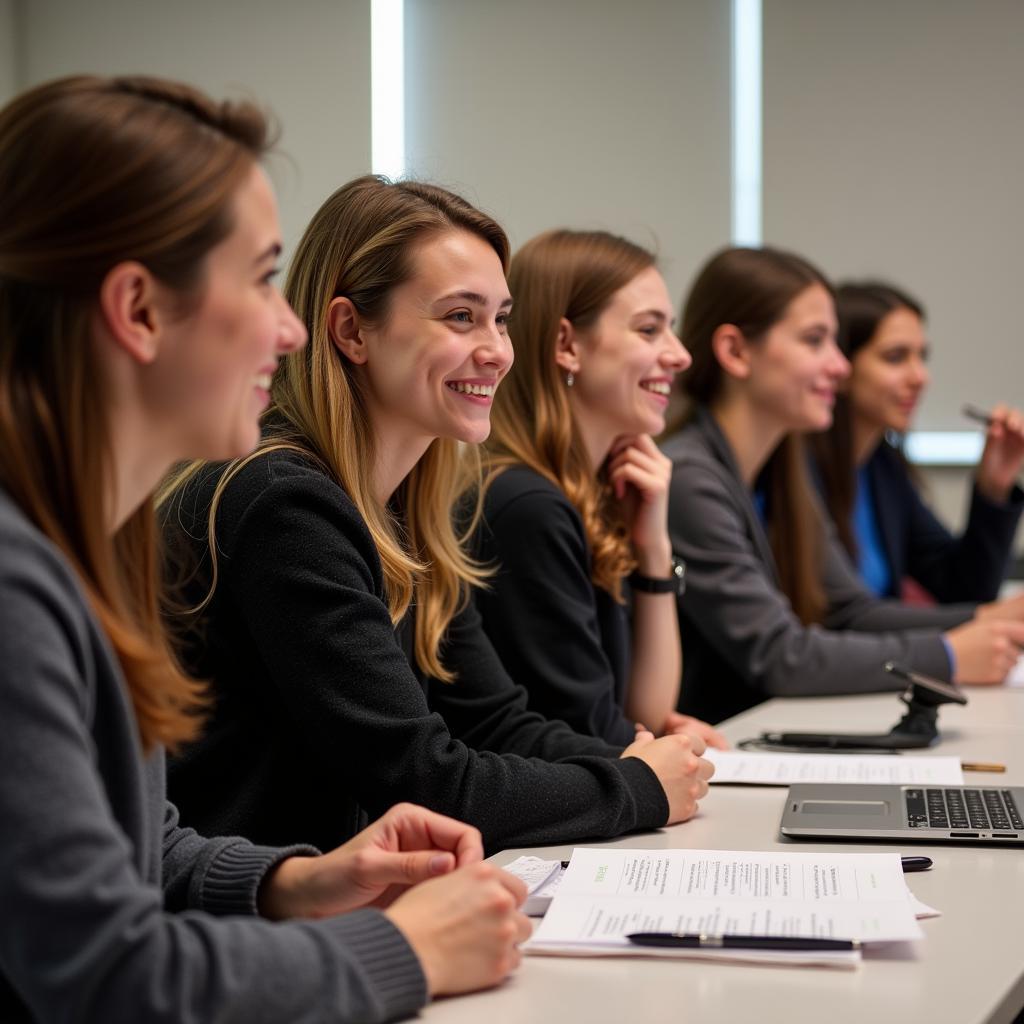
918, 728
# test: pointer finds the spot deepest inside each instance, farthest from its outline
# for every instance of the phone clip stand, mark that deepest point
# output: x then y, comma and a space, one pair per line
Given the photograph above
918, 728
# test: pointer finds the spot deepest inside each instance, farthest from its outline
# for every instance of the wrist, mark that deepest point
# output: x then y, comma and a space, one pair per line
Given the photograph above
994, 491
281, 893
672, 582
655, 561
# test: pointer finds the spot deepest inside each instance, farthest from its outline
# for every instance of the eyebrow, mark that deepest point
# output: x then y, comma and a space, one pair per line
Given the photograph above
272, 251
474, 297
656, 313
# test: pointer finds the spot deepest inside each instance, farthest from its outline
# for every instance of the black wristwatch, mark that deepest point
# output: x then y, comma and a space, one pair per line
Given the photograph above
673, 584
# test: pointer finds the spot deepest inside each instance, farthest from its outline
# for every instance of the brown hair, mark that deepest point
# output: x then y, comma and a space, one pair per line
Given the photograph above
570, 274
95, 171
360, 244
751, 289
860, 307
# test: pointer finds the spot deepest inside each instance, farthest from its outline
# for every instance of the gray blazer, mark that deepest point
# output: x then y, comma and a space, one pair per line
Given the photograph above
742, 642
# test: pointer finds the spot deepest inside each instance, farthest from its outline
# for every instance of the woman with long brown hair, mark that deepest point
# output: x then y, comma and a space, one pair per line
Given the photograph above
576, 491
867, 484
331, 588
773, 607
139, 325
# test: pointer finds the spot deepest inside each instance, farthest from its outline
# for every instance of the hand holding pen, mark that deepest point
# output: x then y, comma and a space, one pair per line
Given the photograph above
1003, 456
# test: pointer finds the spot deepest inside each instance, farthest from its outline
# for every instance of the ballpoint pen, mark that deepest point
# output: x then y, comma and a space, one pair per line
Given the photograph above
972, 412
791, 943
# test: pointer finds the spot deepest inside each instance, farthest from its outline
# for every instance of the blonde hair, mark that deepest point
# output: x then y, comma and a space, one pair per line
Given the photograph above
94, 171
360, 245
570, 274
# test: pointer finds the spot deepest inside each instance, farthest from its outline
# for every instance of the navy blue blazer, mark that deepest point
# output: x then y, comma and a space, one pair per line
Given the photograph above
970, 567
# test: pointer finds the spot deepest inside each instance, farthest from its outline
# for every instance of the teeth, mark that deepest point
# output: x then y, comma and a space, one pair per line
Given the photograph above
264, 381
659, 387
483, 390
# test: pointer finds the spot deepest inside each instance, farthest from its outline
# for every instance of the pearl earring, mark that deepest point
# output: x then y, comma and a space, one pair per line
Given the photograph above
570, 379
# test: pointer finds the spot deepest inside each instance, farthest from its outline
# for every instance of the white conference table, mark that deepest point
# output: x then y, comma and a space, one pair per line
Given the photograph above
968, 969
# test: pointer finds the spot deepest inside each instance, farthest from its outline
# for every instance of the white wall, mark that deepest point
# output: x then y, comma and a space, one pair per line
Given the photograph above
9, 50
307, 61
578, 113
894, 147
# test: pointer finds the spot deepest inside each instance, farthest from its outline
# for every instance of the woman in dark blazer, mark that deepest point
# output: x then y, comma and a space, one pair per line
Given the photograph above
869, 489
772, 606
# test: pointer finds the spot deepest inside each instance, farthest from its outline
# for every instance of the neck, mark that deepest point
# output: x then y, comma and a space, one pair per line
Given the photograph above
139, 459
597, 437
866, 438
397, 450
753, 436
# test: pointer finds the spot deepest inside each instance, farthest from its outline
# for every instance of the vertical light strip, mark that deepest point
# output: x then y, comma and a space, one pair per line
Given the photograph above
387, 87
746, 122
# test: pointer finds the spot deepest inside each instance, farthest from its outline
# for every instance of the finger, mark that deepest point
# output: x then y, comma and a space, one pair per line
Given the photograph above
621, 442
516, 886
410, 868
645, 443
697, 744
715, 739
641, 741
1013, 631
420, 828
524, 928
644, 482
655, 465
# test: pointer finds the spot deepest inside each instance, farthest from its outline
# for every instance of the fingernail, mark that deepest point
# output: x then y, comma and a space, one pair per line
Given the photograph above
439, 864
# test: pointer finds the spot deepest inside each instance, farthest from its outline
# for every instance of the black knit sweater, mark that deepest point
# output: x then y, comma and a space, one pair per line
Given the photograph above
320, 721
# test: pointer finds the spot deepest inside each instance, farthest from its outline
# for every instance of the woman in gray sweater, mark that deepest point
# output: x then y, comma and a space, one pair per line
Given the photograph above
139, 326
773, 606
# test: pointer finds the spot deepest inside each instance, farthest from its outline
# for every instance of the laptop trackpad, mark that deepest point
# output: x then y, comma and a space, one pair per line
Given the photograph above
843, 807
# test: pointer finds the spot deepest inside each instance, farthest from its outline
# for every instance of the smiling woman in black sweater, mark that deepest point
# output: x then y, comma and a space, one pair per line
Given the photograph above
349, 667
576, 493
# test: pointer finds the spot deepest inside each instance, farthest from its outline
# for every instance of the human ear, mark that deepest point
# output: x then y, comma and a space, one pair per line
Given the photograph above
732, 350
129, 310
567, 347
343, 329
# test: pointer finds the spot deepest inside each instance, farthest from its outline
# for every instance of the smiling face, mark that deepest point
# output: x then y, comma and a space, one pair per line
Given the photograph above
212, 376
624, 364
433, 365
795, 370
890, 372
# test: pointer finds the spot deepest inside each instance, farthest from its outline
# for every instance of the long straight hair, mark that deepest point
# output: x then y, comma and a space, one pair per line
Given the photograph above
95, 171
570, 274
360, 244
751, 289
860, 307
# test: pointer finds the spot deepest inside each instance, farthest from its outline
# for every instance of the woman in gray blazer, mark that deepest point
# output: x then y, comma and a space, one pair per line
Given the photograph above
773, 606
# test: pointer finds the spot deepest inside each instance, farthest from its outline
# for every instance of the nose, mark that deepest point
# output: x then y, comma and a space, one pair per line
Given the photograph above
921, 376
494, 350
677, 356
839, 366
292, 334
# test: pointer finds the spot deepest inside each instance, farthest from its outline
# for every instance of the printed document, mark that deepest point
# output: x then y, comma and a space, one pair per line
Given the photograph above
767, 769
607, 893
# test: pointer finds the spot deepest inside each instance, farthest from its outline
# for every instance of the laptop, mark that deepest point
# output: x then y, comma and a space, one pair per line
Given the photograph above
925, 814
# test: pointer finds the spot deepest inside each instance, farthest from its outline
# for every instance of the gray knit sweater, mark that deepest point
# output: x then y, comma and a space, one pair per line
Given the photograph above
109, 910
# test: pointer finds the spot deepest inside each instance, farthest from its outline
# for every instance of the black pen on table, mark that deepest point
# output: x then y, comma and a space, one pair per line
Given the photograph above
790, 943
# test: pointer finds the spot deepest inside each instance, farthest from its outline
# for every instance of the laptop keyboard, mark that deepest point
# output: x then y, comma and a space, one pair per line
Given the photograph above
993, 810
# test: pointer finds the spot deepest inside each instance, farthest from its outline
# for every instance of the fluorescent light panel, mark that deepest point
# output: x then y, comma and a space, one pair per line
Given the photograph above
387, 87
944, 447
747, 156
